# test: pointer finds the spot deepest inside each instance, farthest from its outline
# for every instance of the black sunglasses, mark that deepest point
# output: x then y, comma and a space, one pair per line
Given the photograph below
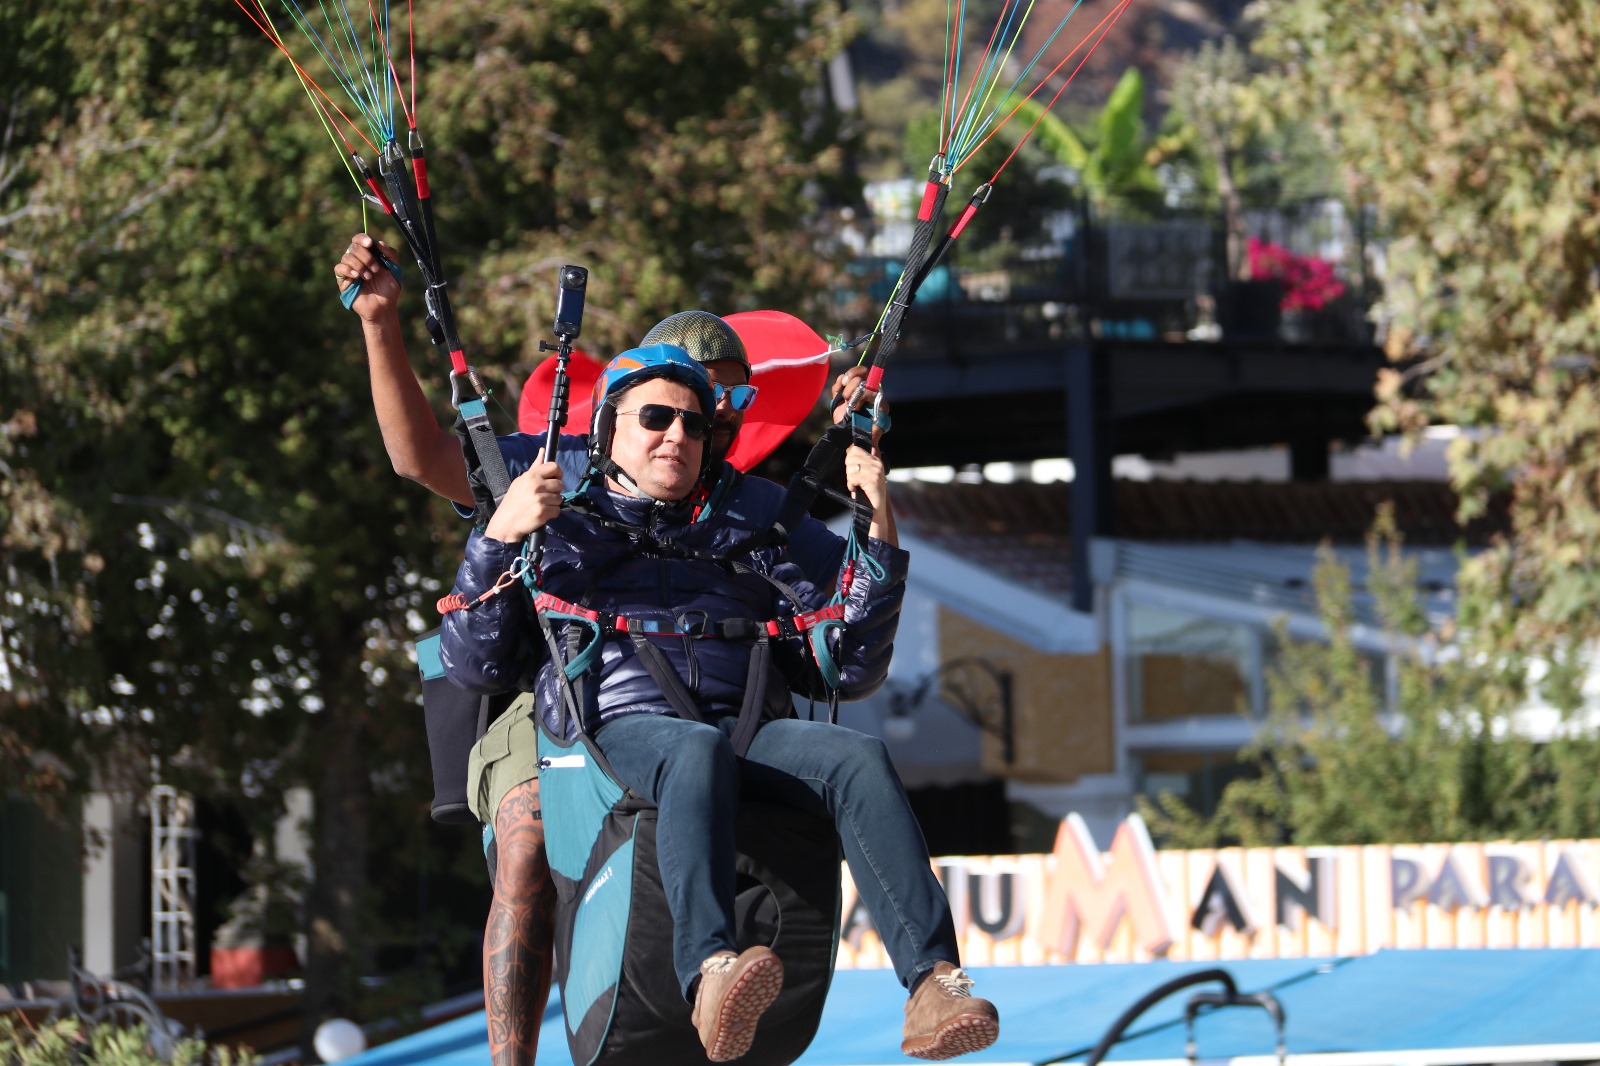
657, 417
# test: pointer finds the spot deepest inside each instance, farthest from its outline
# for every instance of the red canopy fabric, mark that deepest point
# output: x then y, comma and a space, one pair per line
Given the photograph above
788, 363
533, 410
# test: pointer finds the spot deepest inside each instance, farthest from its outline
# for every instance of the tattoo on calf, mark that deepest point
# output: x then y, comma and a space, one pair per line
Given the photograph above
518, 940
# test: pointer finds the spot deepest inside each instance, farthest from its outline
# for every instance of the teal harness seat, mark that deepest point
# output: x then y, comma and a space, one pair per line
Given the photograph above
613, 941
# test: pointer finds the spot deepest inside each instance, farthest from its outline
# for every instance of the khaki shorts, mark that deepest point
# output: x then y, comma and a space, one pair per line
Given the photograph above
507, 756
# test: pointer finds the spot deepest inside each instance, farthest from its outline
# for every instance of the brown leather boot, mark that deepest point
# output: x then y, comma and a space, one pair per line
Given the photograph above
944, 1019
734, 991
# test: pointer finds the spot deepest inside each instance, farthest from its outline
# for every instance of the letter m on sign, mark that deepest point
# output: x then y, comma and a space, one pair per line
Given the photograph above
1090, 894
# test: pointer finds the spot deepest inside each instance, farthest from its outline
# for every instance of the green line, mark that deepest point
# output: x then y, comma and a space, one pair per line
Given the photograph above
981, 77
337, 61
989, 90
944, 95
323, 118
983, 127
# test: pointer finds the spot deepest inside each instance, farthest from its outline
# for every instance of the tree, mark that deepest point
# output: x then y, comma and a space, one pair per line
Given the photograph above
901, 56
1111, 158
209, 566
1443, 753
1469, 127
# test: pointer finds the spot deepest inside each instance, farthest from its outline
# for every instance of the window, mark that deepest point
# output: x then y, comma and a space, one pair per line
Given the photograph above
1184, 665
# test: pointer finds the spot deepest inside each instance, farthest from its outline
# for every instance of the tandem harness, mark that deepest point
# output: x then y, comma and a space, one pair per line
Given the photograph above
457, 719
812, 628
613, 926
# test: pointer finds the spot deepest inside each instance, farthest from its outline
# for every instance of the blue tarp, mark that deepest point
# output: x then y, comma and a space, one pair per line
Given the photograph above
1394, 1001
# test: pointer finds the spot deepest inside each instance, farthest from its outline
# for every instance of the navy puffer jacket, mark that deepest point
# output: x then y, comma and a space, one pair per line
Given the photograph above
610, 567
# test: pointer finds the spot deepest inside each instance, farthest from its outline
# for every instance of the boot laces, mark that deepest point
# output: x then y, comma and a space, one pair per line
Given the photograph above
722, 964
955, 983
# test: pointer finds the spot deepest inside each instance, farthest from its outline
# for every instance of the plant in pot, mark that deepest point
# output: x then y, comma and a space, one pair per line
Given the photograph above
257, 942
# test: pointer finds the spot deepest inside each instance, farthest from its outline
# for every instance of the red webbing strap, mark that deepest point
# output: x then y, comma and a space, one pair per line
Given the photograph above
961, 223
930, 198
419, 167
378, 194
834, 612
547, 603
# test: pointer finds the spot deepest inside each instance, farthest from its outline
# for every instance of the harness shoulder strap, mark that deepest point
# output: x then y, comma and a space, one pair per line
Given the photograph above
486, 467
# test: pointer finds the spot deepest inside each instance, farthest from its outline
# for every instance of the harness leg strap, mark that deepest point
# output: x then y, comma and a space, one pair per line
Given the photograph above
755, 697
661, 671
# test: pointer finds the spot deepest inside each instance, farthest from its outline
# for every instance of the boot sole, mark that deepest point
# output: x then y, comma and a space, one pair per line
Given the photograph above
962, 1035
748, 998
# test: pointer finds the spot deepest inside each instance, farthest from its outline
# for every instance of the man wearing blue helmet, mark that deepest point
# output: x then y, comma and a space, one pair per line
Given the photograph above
641, 543
502, 784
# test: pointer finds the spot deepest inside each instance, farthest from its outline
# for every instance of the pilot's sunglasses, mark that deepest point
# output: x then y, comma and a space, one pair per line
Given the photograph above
740, 396
657, 418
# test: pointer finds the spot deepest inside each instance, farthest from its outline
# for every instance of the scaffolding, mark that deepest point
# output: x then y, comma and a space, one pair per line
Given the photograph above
172, 841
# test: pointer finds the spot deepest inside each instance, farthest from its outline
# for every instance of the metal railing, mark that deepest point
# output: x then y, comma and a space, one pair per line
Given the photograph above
110, 1001
1117, 277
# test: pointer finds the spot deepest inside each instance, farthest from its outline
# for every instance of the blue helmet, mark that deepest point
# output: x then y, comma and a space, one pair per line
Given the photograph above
629, 369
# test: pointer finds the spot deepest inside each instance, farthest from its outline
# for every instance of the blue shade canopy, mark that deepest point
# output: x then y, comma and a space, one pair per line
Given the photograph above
1439, 1007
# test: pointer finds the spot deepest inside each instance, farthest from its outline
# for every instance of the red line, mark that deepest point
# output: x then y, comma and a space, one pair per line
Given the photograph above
988, 49
948, 130
377, 191
1108, 23
271, 35
388, 57
411, 39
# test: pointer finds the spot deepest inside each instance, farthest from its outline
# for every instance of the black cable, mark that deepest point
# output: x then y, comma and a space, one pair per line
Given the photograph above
1144, 1003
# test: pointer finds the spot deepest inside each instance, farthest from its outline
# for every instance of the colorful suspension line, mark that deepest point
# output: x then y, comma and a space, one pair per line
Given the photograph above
353, 41
964, 130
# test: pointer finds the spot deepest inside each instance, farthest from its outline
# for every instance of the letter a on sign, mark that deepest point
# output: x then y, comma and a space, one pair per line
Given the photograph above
1089, 895
1223, 902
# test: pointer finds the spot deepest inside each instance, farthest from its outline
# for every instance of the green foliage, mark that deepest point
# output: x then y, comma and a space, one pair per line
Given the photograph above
1112, 158
1441, 755
1015, 214
68, 1042
902, 54
1469, 126
669, 146
208, 563
1229, 134
1054, 136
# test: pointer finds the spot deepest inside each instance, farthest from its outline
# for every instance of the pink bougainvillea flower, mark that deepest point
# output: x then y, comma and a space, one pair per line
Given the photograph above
1309, 282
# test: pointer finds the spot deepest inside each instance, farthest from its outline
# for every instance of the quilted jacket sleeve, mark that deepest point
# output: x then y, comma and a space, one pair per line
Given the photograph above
486, 647
871, 618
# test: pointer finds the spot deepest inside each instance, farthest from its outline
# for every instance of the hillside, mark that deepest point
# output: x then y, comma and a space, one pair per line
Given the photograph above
898, 59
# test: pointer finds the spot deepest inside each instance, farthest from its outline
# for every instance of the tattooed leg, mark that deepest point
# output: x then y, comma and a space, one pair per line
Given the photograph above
517, 944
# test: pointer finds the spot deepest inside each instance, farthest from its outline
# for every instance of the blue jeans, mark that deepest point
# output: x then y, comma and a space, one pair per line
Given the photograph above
689, 772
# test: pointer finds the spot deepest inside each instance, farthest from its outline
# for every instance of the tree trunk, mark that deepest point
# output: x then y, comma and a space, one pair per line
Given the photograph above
336, 923
1232, 218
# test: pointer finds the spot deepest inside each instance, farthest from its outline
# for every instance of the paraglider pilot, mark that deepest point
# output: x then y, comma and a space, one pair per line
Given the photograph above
641, 543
